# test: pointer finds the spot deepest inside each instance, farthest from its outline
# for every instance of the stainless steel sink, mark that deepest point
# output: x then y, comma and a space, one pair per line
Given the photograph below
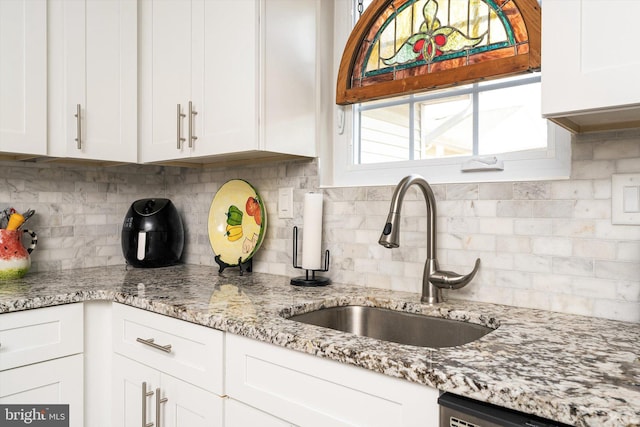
395, 326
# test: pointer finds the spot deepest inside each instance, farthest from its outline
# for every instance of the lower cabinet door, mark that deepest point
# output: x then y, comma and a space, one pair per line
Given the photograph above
143, 395
237, 414
57, 381
130, 381
188, 405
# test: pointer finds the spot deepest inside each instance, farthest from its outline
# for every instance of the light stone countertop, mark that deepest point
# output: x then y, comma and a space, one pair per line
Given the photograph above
578, 370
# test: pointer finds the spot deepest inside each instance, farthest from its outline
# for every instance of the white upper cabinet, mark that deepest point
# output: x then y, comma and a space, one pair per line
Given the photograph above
198, 52
227, 79
589, 64
93, 72
23, 77
289, 80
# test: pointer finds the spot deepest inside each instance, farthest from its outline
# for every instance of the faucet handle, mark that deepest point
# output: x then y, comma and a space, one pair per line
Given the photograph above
451, 280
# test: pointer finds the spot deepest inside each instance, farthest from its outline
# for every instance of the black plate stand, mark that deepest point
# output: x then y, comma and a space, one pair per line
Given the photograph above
243, 266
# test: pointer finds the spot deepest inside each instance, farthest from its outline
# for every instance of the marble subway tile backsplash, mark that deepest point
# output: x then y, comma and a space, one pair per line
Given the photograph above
543, 244
79, 209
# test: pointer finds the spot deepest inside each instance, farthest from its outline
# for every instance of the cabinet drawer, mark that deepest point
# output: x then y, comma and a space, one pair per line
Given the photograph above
33, 336
314, 392
237, 414
56, 381
195, 354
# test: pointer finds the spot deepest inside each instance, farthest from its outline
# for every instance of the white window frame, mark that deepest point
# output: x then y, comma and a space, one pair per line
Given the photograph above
552, 163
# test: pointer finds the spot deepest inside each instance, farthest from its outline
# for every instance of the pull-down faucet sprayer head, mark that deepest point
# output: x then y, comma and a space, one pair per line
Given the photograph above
390, 237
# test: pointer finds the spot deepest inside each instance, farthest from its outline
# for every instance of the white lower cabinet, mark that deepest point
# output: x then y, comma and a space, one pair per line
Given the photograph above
143, 395
237, 414
145, 369
52, 382
309, 391
34, 336
41, 359
188, 405
165, 371
130, 381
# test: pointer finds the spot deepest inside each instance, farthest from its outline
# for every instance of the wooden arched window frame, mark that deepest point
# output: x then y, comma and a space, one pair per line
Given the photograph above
407, 46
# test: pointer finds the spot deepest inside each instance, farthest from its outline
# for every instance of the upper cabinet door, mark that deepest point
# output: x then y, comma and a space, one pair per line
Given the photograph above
225, 83
203, 53
589, 63
166, 39
23, 77
289, 77
94, 72
248, 68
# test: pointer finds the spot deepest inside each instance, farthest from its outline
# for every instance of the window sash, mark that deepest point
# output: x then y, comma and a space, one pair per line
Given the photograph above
412, 100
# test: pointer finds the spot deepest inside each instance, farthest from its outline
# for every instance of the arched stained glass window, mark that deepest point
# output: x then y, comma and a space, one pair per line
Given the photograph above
408, 46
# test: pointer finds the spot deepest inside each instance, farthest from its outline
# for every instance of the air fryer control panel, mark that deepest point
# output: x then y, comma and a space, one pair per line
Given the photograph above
149, 206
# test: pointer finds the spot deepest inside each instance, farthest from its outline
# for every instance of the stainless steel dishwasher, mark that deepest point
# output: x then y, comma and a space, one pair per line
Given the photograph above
457, 411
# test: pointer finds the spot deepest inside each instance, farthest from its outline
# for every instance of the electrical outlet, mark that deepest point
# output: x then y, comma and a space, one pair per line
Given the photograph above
285, 203
625, 199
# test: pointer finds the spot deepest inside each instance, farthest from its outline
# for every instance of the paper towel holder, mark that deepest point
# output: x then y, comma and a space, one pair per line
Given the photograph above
309, 279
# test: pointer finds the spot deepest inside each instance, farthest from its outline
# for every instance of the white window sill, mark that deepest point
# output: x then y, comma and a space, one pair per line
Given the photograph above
550, 164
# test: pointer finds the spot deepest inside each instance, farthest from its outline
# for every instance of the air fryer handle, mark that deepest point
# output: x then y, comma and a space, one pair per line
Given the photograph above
142, 245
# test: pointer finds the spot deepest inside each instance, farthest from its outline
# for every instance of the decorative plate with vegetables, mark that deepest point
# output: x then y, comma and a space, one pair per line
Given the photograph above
237, 222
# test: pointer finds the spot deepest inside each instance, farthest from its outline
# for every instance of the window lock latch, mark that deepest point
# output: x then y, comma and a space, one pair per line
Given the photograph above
483, 164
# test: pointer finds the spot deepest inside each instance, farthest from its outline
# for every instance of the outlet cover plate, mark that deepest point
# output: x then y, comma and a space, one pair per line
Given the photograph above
285, 202
625, 199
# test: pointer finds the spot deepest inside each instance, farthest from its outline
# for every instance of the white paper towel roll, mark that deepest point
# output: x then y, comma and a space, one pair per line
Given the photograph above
312, 231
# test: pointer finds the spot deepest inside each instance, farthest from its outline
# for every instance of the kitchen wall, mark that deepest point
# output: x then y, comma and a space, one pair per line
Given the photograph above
79, 209
543, 244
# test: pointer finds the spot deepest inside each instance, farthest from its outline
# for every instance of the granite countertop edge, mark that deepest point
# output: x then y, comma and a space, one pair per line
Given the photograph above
532, 362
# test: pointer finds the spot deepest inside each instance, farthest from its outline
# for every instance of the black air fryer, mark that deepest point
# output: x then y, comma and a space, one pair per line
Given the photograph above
152, 234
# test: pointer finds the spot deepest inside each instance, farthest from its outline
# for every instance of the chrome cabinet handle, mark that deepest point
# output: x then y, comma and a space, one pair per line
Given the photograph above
180, 140
192, 113
145, 394
78, 117
150, 343
159, 401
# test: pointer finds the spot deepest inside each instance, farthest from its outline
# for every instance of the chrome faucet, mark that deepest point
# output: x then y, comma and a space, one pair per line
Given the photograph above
433, 280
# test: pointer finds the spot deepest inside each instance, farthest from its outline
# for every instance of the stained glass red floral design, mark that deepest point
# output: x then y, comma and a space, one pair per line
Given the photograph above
432, 40
405, 46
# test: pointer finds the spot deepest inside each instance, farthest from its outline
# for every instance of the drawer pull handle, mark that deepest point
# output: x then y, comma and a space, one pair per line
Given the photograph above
150, 343
159, 401
192, 113
78, 117
180, 115
145, 394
